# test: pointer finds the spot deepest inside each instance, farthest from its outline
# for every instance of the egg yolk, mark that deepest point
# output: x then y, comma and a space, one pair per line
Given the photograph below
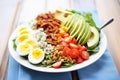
24, 32
24, 47
22, 28
32, 43
37, 54
23, 37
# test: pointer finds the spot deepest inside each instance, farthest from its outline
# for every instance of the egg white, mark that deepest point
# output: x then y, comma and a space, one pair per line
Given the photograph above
21, 28
35, 60
32, 42
23, 53
26, 31
18, 38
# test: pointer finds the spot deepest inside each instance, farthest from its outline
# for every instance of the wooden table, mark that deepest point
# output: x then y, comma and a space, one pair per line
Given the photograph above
14, 11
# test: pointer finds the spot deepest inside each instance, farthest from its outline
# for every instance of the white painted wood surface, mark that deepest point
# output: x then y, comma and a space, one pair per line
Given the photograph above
7, 12
31, 8
7, 20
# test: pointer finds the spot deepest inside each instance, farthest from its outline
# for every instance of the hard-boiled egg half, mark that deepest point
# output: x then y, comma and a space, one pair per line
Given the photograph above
21, 38
27, 45
32, 42
24, 49
22, 28
23, 34
36, 56
26, 31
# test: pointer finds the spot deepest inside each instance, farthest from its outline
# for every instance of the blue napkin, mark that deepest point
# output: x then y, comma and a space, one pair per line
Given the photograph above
19, 72
103, 69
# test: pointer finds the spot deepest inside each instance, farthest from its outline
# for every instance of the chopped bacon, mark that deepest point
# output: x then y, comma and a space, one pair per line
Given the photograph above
51, 26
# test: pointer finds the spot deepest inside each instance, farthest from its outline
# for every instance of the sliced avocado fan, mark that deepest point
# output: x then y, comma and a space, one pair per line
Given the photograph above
78, 28
83, 28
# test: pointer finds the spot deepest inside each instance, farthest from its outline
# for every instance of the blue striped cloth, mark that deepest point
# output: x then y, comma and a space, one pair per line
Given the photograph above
103, 69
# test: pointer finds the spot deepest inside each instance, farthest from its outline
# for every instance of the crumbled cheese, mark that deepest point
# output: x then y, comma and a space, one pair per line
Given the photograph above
48, 49
40, 37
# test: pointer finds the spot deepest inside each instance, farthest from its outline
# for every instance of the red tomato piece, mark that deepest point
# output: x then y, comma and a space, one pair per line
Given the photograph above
57, 65
74, 41
85, 55
79, 47
68, 39
84, 48
66, 51
80, 52
73, 45
74, 53
79, 60
64, 43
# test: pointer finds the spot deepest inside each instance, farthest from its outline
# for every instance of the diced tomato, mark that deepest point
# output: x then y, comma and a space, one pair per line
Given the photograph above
79, 47
85, 55
74, 41
64, 43
68, 39
57, 65
84, 48
73, 45
79, 60
80, 52
66, 51
74, 53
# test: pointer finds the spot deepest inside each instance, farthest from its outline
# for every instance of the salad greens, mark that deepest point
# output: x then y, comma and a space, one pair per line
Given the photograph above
14, 44
92, 51
70, 47
73, 11
48, 62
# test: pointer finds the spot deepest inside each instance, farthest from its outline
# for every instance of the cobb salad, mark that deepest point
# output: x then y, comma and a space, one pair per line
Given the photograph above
58, 39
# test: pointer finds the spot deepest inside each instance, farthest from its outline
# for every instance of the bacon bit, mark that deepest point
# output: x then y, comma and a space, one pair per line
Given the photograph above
51, 27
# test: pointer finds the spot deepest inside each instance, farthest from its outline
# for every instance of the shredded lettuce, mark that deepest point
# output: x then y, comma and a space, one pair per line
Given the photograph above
73, 11
89, 19
14, 44
93, 51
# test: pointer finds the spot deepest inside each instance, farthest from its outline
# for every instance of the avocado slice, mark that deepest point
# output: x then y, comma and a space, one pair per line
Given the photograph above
82, 31
84, 34
75, 28
69, 20
70, 29
70, 25
62, 15
87, 35
94, 38
79, 28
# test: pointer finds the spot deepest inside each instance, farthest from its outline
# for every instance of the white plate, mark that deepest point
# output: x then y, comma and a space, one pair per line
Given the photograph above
92, 59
